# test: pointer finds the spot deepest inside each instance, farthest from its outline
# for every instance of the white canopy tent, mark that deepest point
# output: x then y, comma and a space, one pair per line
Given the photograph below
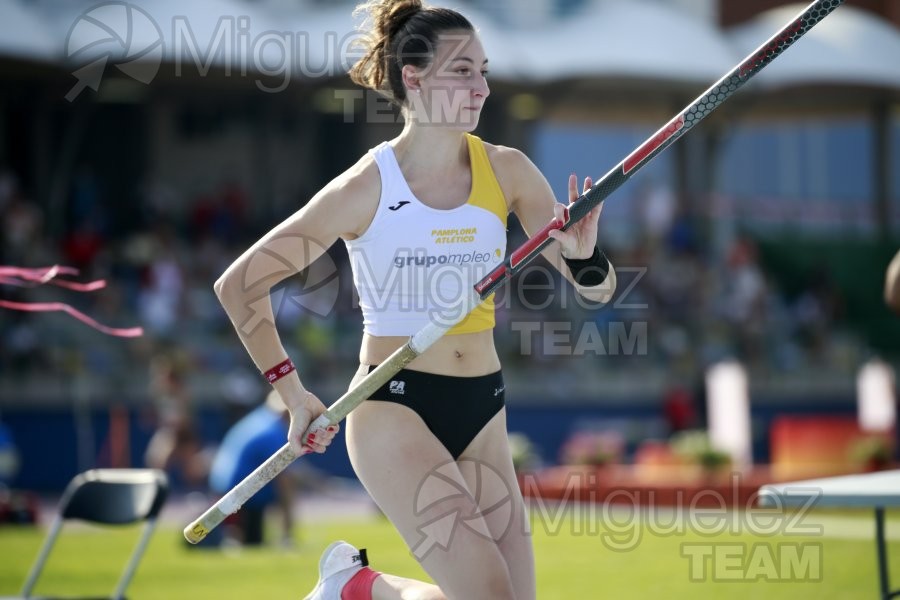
329, 30
605, 39
638, 39
24, 35
850, 47
632, 40
221, 33
848, 63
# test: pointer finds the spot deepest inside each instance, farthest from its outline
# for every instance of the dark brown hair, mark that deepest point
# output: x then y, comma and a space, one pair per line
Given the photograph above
399, 33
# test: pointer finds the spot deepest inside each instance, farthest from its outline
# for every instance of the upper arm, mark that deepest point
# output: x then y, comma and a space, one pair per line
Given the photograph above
527, 190
531, 199
342, 209
529, 194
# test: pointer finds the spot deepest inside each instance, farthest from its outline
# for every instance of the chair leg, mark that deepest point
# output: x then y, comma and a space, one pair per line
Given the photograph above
135, 559
42, 557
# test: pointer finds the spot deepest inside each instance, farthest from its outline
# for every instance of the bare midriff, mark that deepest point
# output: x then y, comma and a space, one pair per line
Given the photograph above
463, 355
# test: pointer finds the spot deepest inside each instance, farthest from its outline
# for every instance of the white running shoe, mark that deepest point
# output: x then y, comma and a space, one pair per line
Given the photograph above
339, 563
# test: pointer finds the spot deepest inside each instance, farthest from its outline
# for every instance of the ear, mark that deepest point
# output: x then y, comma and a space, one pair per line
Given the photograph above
412, 78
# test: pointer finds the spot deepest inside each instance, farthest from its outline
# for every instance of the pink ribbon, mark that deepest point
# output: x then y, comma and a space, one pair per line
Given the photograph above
23, 277
35, 277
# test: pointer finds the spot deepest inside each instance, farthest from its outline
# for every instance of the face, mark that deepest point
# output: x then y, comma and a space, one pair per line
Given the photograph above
452, 90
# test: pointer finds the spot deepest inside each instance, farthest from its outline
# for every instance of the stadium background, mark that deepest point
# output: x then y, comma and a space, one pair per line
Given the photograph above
762, 236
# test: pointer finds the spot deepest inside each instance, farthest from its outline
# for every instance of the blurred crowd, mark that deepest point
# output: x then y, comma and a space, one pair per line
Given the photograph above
682, 305
159, 276
679, 306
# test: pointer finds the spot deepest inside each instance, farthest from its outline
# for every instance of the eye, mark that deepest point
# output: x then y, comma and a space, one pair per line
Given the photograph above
463, 70
485, 73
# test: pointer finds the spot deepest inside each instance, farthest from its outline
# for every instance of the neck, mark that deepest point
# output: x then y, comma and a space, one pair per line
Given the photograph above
433, 148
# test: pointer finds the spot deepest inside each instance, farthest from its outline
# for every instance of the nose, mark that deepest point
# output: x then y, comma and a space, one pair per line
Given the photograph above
481, 89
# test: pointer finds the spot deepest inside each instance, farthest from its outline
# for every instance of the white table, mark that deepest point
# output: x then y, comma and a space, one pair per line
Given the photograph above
869, 490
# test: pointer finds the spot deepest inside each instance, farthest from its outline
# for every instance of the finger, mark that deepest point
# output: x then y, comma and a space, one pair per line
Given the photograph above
318, 429
317, 444
322, 437
317, 437
328, 432
588, 184
573, 187
315, 448
298, 447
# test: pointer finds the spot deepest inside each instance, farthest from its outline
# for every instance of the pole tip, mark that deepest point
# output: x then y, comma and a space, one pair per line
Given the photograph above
195, 532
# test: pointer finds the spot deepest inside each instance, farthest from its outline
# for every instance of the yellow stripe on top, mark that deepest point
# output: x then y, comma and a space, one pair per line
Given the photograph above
486, 191
488, 195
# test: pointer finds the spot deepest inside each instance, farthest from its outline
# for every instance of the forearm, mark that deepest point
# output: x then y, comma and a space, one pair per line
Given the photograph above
600, 294
250, 311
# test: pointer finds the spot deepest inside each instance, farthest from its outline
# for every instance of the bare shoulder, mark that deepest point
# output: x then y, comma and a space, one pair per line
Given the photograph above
362, 179
514, 170
353, 196
505, 158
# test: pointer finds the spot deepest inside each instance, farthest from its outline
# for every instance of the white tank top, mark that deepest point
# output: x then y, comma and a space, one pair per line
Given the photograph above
413, 263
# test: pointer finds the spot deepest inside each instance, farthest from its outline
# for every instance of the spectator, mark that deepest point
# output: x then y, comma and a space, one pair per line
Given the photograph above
176, 446
9, 456
743, 299
160, 298
678, 408
246, 445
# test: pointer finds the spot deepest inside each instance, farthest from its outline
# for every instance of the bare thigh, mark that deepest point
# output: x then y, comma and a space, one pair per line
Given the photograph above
415, 481
500, 501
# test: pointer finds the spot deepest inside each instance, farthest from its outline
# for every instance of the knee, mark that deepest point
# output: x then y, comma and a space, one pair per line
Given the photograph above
501, 587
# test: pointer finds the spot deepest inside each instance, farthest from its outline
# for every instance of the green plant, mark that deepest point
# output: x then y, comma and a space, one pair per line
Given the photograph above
596, 448
524, 455
694, 447
872, 451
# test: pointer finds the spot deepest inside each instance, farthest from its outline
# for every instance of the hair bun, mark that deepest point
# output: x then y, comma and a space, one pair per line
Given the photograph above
386, 17
396, 33
399, 13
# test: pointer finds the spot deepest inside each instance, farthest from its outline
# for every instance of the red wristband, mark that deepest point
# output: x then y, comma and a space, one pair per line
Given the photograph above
279, 370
